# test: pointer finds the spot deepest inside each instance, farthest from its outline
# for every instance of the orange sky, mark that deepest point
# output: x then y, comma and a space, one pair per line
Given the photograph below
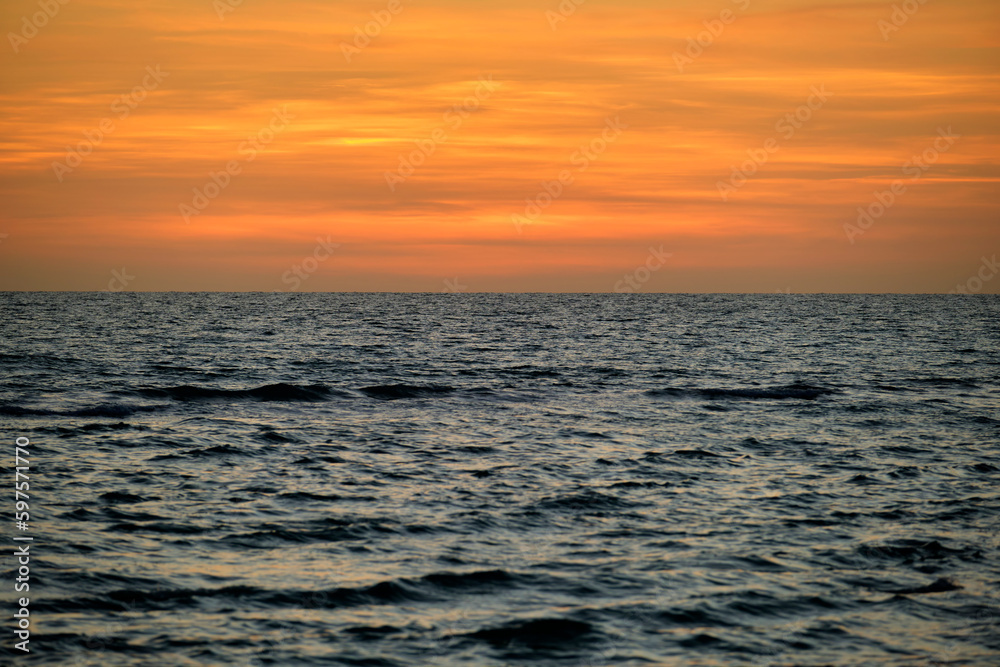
665, 131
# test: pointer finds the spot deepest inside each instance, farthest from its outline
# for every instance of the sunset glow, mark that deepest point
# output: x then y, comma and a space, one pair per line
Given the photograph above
431, 148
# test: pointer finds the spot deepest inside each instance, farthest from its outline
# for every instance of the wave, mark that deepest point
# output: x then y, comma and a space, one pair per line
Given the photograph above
531, 371
269, 392
587, 501
112, 410
38, 359
217, 450
941, 585
791, 391
911, 550
162, 528
272, 535
308, 497
436, 586
121, 497
539, 633
944, 382
120, 426
390, 392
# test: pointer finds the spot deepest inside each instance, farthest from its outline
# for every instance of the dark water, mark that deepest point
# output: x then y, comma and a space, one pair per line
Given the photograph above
304, 479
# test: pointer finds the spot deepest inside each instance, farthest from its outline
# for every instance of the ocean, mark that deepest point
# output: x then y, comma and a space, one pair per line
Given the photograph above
503, 479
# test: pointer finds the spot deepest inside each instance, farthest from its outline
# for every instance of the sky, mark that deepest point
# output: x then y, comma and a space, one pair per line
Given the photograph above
523, 146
